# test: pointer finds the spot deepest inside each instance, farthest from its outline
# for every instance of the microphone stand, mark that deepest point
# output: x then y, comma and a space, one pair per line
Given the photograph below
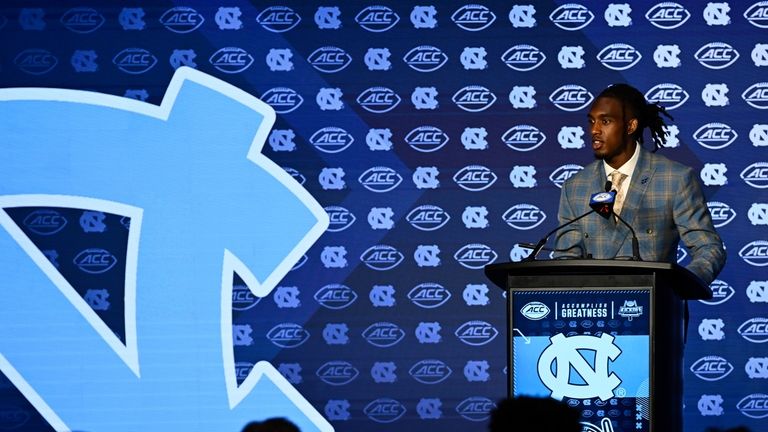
635, 243
540, 245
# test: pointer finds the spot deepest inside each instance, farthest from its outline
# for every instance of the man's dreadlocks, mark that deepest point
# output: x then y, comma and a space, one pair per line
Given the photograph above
648, 115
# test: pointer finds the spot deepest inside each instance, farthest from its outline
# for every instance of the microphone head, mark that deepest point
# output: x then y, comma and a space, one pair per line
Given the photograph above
608, 186
602, 203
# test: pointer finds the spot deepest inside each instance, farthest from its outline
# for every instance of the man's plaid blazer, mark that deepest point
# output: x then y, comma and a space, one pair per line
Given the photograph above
664, 204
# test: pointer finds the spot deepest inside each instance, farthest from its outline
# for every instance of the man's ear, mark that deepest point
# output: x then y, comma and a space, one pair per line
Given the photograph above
632, 126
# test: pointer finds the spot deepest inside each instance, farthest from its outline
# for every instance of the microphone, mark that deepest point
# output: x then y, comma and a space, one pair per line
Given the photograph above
540, 245
602, 204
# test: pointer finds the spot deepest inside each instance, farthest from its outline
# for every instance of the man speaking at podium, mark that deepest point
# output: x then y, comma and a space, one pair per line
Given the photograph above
661, 199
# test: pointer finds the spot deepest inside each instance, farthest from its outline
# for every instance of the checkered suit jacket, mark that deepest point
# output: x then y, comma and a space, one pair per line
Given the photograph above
664, 204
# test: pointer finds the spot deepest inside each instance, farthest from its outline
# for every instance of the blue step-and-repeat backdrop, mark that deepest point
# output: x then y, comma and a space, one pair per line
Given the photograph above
431, 137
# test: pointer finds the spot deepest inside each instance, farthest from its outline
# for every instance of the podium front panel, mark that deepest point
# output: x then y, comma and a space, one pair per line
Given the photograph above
590, 347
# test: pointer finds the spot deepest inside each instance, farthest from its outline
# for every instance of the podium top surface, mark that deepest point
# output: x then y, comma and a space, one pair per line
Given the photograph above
688, 285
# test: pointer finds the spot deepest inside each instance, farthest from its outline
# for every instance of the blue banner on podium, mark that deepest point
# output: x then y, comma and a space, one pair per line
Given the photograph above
590, 348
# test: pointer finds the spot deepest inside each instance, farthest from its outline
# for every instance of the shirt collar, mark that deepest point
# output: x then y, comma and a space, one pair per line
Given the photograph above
628, 167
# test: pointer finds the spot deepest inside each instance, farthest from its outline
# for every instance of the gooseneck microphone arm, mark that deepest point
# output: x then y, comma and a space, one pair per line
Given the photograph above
540, 245
635, 243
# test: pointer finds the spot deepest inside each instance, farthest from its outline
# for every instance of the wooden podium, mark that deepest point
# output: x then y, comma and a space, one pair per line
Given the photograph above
606, 336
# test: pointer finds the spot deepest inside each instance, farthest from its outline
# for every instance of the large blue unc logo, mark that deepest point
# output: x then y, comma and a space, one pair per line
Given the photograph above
152, 172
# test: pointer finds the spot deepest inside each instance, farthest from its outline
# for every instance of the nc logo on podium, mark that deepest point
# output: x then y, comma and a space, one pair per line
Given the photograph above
593, 379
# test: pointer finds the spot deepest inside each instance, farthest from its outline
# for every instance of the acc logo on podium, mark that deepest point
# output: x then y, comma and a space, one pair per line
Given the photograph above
535, 311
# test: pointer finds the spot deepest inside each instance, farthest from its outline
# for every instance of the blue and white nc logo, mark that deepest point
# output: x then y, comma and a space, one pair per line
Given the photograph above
523, 176
424, 98
473, 58
377, 59
329, 99
184, 57
131, 19
522, 16
477, 371
380, 218
384, 372
281, 140
236, 181
476, 295
279, 59
332, 179
427, 256
757, 292
334, 257
382, 296
617, 15
337, 409
379, 139
327, 18
474, 138
475, 217
426, 177
710, 405
336, 334
423, 17
428, 332
286, 297
429, 408
84, 61
228, 18
595, 380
